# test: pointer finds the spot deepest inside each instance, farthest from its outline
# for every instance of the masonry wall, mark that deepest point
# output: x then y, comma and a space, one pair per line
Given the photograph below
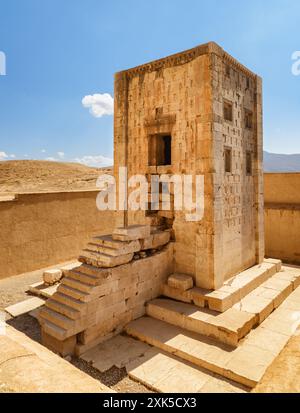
172, 98
43, 229
282, 216
182, 96
238, 195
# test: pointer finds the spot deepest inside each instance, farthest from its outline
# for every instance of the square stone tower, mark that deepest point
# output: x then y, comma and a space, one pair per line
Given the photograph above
198, 112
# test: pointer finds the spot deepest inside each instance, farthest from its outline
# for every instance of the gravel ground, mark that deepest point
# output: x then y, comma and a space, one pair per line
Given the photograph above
13, 290
115, 378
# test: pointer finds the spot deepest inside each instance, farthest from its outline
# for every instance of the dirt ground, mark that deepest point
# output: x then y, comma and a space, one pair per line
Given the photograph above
43, 176
13, 290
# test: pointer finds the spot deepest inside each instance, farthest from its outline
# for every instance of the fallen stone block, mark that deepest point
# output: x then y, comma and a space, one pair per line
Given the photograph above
51, 277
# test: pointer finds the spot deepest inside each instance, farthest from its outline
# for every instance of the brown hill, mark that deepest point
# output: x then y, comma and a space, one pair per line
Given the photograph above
43, 176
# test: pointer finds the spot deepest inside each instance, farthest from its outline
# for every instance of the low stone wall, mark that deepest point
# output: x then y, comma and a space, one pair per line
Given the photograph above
282, 216
43, 229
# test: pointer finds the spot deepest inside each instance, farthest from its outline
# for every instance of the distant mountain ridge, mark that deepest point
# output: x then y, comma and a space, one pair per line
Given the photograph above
276, 162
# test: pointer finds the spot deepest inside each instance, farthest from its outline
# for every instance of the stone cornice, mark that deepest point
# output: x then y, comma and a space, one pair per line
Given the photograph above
185, 57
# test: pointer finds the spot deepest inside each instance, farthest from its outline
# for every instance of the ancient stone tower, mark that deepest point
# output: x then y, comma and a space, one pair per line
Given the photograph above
198, 112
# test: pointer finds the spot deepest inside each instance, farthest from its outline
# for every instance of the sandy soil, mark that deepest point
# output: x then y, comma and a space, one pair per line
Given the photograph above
42, 176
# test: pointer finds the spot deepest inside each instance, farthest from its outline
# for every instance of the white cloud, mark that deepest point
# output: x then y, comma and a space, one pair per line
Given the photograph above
99, 104
50, 158
3, 156
43, 150
97, 161
61, 154
12, 155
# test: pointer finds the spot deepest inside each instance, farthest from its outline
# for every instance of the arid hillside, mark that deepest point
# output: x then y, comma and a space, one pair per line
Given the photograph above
43, 176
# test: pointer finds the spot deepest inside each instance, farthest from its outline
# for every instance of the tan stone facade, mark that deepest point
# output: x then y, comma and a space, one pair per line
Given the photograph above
207, 108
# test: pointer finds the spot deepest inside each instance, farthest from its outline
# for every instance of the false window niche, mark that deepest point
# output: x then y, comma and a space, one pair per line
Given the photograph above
228, 160
160, 150
228, 111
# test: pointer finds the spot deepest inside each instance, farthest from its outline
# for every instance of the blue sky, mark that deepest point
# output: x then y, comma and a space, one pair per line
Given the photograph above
58, 51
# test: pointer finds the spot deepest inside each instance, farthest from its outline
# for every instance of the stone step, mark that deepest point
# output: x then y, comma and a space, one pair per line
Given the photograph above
165, 373
69, 301
124, 248
82, 277
103, 260
62, 309
245, 364
230, 293
108, 241
54, 331
97, 273
79, 284
56, 318
74, 293
228, 327
131, 233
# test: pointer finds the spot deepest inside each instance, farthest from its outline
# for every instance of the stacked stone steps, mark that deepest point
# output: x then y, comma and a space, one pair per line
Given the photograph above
81, 276
54, 330
228, 327
233, 291
226, 343
100, 259
60, 308
244, 364
236, 322
118, 249
95, 287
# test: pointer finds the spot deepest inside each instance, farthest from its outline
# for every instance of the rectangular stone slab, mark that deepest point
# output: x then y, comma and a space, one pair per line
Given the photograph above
131, 233
24, 306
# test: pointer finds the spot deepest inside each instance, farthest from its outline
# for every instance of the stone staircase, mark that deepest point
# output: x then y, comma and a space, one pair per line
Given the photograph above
235, 332
103, 293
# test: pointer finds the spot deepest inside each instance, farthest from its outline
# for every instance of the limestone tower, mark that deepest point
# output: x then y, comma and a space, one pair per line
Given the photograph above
198, 112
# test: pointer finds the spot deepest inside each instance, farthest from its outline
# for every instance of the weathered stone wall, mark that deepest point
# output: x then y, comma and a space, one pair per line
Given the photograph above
238, 195
282, 216
42, 229
176, 100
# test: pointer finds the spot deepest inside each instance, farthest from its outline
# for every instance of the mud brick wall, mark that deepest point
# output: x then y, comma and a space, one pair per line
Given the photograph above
238, 196
282, 216
43, 229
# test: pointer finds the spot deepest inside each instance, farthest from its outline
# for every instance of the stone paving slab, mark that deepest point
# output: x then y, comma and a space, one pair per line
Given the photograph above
42, 290
165, 373
117, 351
24, 306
